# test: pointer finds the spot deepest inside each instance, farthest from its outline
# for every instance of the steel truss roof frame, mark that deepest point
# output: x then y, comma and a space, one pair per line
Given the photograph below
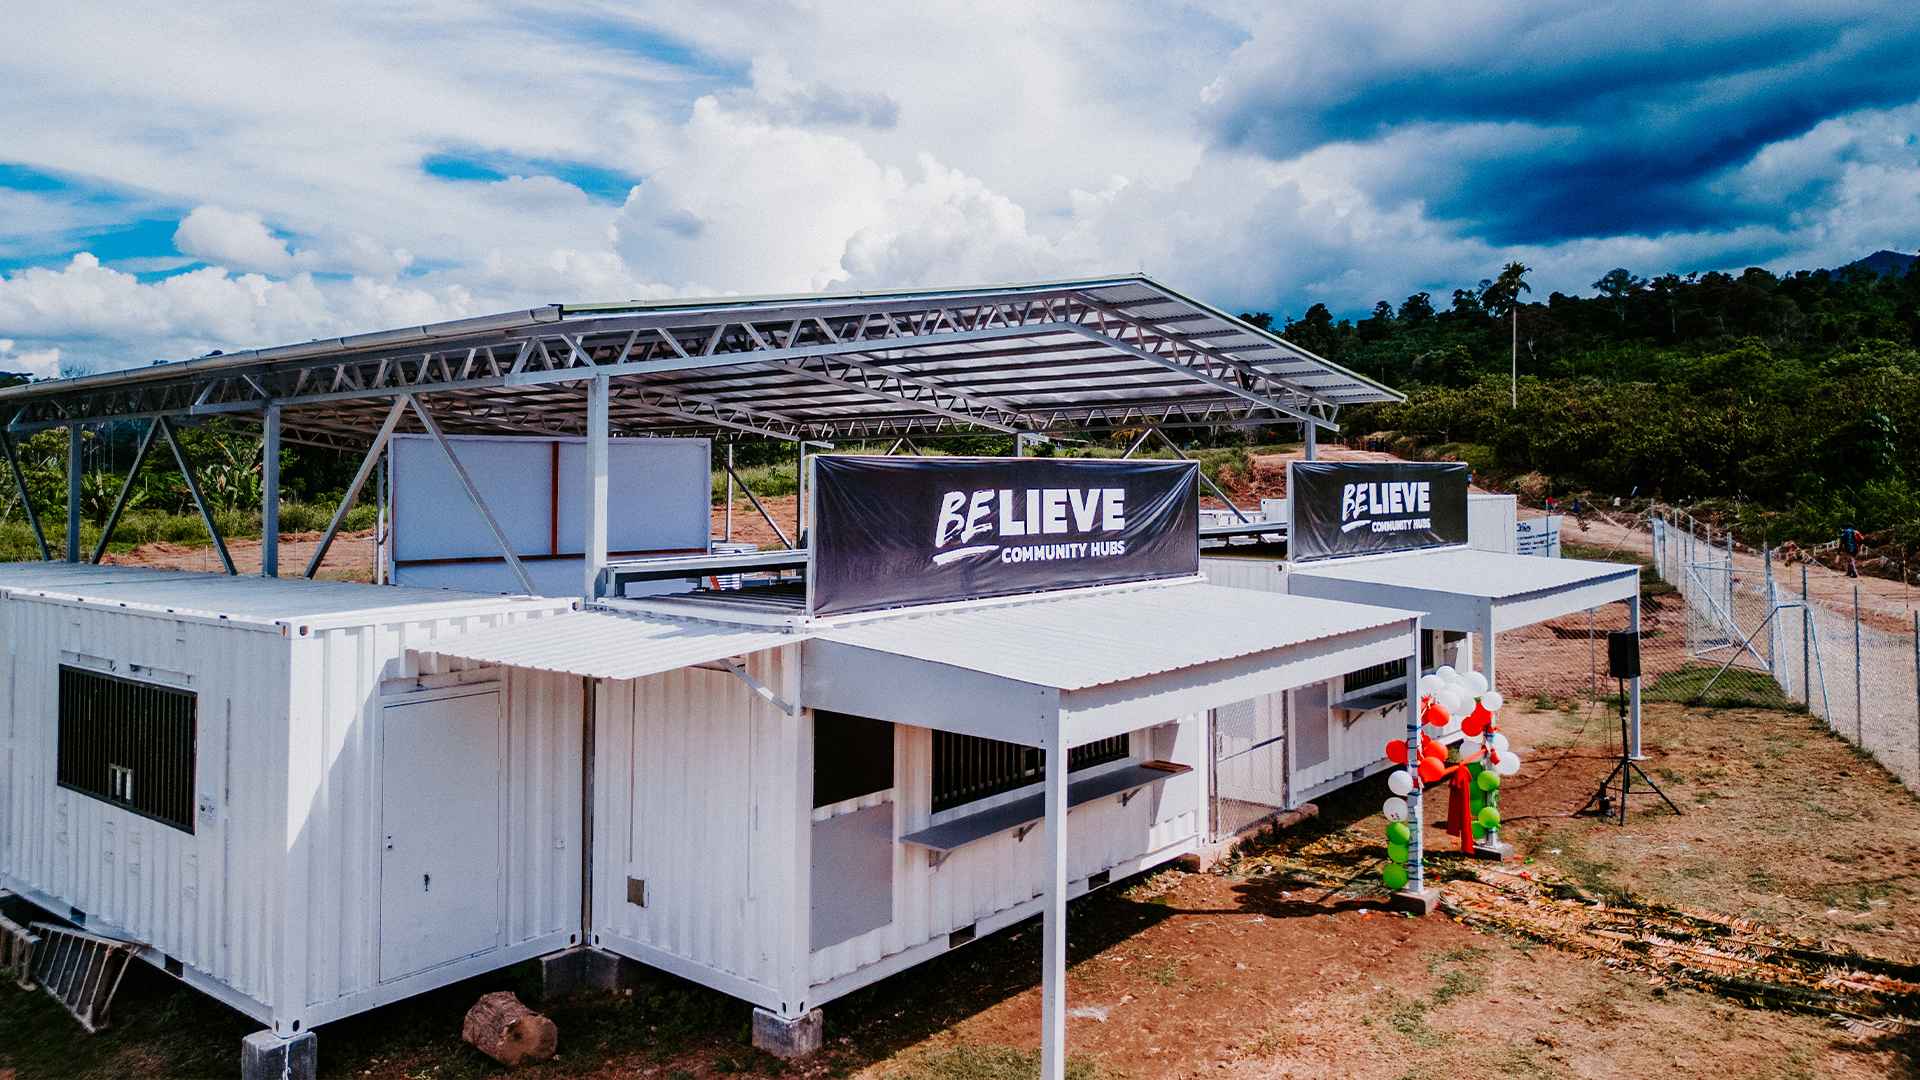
1090, 355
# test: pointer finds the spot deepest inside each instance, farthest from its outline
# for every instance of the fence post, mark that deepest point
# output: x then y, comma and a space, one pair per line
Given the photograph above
1916, 689
1806, 643
1859, 718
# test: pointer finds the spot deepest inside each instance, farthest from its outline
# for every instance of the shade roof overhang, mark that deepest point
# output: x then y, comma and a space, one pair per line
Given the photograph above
1084, 355
1465, 589
1087, 664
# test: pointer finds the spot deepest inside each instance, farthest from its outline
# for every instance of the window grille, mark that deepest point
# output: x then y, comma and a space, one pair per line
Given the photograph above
1378, 673
966, 767
128, 743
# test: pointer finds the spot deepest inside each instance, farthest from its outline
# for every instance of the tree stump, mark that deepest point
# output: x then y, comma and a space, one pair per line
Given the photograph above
509, 1032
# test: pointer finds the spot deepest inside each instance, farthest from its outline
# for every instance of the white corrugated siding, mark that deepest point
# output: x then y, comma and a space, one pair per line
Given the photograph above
1260, 575
700, 791
278, 898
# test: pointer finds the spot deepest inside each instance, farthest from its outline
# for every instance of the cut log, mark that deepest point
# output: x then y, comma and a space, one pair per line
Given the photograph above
509, 1032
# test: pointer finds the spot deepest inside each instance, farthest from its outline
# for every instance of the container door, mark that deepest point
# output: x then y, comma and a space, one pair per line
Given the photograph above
440, 896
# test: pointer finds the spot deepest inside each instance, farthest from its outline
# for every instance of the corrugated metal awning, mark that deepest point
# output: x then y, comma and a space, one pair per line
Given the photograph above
1083, 641
609, 646
1466, 589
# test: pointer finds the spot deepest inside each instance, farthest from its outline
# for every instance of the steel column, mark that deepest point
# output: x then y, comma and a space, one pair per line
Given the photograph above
1053, 927
1313, 441
126, 489
1416, 803
20, 485
473, 496
199, 497
73, 493
270, 492
359, 479
598, 400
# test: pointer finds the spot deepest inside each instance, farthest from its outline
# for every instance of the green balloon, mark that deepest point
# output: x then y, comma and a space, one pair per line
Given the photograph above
1397, 832
1488, 780
1490, 818
1479, 832
1397, 853
1394, 876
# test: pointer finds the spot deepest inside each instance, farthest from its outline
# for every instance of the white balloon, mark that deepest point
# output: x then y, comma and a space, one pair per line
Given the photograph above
1445, 673
1499, 741
1508, 764
1492, 700
1476, 683
1399, 781
1395, 809
1454, 702
1430, 685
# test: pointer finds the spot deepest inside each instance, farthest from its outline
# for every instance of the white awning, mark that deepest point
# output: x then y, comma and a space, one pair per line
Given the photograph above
609, 646
1466, 589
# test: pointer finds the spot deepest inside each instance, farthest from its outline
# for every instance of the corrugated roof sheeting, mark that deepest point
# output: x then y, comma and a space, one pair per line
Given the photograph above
610, 646
1467, 572
1078, 642
243, 596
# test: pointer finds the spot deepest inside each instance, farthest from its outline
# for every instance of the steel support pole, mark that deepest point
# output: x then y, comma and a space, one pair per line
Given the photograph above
20, 485
359, 479
589, 738
1633, 684
126, 490
73, 493
270, 492
599, 393
1053, 928
1916, 677
1806, 644
199, 496
1312, 439
1416, 804
473, 496
1859, 717
729, 491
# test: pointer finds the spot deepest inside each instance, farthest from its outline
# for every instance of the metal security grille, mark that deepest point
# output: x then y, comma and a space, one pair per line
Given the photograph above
129, 743
1378, 673
966, 767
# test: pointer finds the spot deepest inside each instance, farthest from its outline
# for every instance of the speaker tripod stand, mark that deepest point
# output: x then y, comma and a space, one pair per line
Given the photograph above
1626, 769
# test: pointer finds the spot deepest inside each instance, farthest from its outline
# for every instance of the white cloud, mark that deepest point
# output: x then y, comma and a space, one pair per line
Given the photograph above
853, 144
39, 363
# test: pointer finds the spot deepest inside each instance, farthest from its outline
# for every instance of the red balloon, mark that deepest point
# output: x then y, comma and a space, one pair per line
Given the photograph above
1432, 769
1481, 714
1397, 752
1472, 726
1435, 716
1429, 748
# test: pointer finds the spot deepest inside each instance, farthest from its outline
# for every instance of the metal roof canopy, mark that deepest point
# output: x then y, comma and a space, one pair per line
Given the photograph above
1095, 663
1082, 355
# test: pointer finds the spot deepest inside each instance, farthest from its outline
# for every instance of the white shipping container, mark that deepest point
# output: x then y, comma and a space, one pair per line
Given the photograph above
329, 768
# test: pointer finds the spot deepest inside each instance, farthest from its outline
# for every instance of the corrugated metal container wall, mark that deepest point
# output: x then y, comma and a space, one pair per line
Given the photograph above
276, 892
1260, 575
1000, 872
210, 898
1355, 742
334, 798
699, 794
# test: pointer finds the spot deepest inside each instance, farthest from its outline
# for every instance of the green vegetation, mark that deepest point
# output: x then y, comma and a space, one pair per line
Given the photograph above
1785, 407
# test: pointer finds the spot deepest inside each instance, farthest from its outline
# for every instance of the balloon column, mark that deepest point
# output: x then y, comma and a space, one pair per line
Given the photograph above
1473, 807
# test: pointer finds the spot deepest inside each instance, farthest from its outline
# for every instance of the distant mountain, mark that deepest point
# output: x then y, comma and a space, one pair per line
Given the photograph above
1884, 263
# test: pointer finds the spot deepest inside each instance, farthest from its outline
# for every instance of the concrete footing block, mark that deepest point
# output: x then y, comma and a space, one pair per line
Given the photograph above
266, 1056
784, 1038
1498, 851
588, 968
1423, 902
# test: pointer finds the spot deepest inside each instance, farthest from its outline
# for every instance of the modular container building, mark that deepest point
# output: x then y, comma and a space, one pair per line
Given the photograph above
261, 785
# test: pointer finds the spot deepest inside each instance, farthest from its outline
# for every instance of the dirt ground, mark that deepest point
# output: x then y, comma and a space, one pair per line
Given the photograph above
1255, 973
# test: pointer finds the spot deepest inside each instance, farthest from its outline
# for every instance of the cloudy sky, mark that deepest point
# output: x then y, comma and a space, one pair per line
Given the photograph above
182, 177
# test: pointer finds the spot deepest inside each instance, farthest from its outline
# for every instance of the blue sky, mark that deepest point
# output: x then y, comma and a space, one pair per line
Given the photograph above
179, 178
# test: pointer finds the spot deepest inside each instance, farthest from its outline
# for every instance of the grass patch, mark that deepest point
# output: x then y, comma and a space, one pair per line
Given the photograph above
974, 1061
139, 527
1736, 688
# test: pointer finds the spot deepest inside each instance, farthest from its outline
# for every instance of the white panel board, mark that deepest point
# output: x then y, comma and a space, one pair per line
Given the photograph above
660, 501
1538, 536
1490, 520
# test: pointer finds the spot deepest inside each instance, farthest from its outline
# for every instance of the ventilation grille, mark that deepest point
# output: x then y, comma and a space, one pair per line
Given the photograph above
128, 743
967, 767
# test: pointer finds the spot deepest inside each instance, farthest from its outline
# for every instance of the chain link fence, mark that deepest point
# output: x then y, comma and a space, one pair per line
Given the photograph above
1724, 624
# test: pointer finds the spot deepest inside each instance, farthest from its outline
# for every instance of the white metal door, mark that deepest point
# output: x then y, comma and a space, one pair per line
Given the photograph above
440, 825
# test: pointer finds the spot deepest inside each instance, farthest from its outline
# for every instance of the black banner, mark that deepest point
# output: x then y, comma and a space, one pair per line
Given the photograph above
1367, 507
892, 531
